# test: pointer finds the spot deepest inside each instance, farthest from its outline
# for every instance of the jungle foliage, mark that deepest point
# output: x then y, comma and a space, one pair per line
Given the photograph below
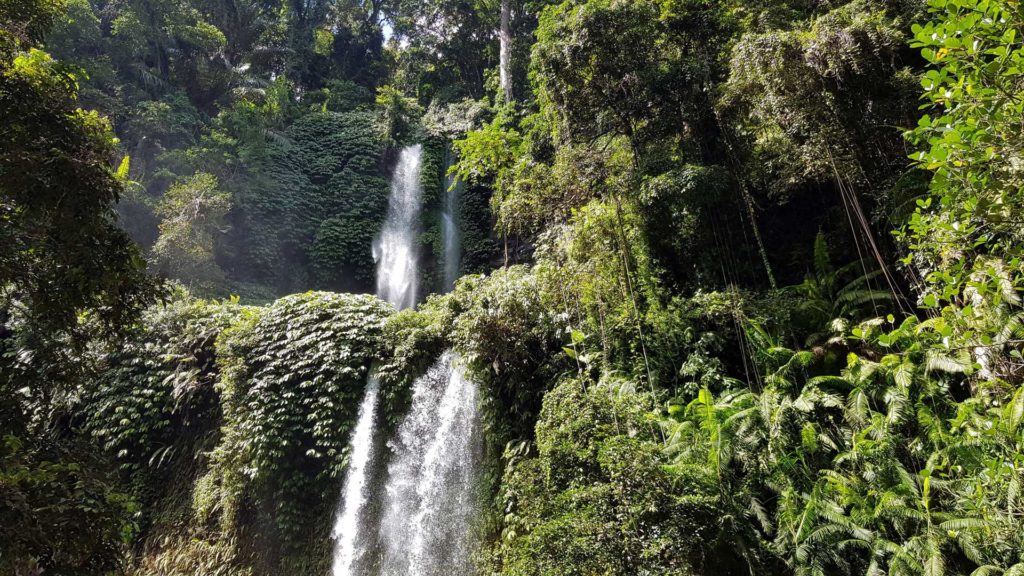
741, 282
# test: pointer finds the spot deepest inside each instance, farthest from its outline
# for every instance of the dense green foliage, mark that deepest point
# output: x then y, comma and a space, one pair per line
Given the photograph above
286, 104
62, 252
741, 282
596, 498
293, 374
231, 424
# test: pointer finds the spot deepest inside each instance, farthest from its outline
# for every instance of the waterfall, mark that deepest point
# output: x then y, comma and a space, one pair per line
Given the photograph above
449, 229
505, 51
395, 253
429, 499
395, 249
348, 527
424, 524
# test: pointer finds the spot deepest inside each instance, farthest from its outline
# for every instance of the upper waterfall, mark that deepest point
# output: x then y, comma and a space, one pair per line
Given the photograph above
394, 250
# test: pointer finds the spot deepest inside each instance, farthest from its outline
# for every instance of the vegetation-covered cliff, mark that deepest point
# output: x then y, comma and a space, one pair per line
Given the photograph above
740, 282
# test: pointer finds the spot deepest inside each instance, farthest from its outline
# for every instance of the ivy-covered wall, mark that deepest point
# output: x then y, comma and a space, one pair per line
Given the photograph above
233, 424
313, 205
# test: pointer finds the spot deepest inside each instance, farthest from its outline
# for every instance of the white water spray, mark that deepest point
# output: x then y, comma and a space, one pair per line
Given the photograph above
430, 494
347, 527
395, 249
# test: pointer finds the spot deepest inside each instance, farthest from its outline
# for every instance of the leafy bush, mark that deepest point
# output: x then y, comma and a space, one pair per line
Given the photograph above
61, 512
596, 499
510, 344
809, 98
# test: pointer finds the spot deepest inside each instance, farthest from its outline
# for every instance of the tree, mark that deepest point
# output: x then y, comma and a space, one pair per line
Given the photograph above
67, 273
450, 45
163, 41
193, 216
581, 65
61, 252
965, 236
399, 115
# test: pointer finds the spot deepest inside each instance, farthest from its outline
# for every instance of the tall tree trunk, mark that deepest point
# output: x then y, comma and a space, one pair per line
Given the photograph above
505, 50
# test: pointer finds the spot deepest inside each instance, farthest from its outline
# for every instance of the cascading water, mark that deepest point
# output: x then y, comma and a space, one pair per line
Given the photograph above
424, 526
449, 229
430, 494
396, 282
347, 532
395, 248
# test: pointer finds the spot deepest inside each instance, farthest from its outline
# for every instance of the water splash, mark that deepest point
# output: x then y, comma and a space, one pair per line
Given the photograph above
395, 249
348, 527
430, 495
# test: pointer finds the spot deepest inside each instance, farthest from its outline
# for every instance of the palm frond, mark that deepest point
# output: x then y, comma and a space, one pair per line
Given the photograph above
837, 383
965, 524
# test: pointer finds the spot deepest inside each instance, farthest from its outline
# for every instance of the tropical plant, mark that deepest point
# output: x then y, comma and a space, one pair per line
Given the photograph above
193, 217
833, 298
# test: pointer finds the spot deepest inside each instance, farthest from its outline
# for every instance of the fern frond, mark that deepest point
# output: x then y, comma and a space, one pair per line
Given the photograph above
1013, 328
1015, 570
837, 383
937, 361
859, 297
822, 260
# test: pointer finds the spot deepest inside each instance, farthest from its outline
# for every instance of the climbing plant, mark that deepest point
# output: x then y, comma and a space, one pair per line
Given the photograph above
158, 391
293, 376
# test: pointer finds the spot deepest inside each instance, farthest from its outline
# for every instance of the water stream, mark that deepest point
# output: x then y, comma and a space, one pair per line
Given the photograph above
449, 226
418, 523
429, 498
348, 550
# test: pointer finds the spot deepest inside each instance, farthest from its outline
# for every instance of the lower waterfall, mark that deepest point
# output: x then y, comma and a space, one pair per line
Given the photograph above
423, 524
348, 530
430, 495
